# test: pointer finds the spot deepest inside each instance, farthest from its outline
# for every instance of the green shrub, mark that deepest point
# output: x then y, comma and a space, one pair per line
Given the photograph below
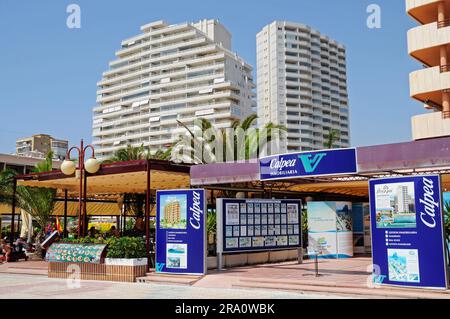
126, 247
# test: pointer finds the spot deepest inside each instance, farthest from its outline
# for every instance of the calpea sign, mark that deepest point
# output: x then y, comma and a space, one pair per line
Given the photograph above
181, 231
318, 163
407, 232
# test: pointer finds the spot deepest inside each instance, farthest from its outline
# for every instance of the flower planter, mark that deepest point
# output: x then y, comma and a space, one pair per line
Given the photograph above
126, 262
124, 270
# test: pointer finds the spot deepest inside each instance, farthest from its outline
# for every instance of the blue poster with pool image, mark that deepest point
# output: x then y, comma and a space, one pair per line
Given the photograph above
407, 232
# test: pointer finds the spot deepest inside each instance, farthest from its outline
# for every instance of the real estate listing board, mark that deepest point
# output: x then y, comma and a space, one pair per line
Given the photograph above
407, 232
181, 231
257, 225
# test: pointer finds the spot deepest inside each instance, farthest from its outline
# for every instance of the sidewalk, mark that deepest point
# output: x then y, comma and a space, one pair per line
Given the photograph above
342, 277
347, 277
31, 267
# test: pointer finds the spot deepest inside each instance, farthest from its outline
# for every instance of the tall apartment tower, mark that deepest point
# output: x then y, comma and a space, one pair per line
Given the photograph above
170, 72
429, 43
302, 84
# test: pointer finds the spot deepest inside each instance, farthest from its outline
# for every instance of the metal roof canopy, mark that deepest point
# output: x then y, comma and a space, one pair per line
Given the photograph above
409, 158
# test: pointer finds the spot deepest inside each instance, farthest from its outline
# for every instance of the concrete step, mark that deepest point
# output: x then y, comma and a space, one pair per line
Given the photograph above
344, 291
183, 280
21, 271
307, 282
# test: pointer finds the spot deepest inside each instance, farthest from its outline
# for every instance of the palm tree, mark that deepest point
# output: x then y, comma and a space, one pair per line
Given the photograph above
205, 143
38, 202
132, 153
332, 136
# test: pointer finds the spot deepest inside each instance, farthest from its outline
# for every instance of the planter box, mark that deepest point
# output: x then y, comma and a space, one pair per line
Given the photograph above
126, 262
116, 270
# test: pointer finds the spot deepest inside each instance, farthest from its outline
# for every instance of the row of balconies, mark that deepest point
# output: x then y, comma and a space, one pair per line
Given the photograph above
121, 125
213, 58
162, 95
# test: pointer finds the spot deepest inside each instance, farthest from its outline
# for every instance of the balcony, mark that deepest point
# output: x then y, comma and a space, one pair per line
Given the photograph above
424, 11
424, 42
430, 125
428, 84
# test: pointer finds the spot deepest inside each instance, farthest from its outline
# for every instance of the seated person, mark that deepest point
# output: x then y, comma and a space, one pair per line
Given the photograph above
92, 232
113, 232
21, 244
6, 250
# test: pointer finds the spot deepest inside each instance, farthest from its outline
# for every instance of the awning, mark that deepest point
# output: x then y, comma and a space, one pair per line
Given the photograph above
117, 178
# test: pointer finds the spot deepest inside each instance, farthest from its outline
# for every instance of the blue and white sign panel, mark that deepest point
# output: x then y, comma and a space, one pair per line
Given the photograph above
181, 231
306, 164
407, 232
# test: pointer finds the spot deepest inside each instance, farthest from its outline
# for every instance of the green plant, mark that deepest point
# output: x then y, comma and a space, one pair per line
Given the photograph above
38, 202
211, 223
447, 218
244, 142
126, 247
305, 228
332, 136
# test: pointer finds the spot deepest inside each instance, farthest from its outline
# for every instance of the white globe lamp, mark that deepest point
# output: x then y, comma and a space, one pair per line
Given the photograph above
68, 167
92, 165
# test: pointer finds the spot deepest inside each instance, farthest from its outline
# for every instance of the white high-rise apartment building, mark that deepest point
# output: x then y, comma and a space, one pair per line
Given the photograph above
403, 199
302, 84
169, 73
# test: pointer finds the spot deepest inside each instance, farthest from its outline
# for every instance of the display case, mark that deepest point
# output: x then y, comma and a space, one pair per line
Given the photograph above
78, 253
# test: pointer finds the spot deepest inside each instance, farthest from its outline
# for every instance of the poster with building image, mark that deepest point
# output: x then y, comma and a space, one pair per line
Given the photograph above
181, 231
173, 209
395, 205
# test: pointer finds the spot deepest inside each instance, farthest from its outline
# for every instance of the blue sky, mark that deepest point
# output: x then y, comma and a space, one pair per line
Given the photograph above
48, 73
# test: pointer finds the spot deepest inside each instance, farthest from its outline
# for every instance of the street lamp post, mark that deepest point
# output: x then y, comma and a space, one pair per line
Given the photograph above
68, 167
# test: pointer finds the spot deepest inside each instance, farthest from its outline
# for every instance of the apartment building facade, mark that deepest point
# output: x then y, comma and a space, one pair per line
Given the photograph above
166, 74
302, 84
429, 43
39, 145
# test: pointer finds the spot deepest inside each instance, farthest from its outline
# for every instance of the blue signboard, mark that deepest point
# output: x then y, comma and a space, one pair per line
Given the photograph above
181, 231
317, 163
258, 224
407, 232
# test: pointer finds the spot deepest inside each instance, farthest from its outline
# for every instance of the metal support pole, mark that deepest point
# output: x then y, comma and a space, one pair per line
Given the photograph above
300, 255
219, 261
124, 226
65, 214
13, 204
80, 199
85, 218
147, 214
316, 265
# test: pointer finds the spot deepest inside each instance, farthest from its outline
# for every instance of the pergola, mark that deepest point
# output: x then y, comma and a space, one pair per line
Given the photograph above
105, 188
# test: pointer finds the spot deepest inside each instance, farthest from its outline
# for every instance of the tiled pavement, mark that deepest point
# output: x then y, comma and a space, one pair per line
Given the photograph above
25, 287
345, 277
